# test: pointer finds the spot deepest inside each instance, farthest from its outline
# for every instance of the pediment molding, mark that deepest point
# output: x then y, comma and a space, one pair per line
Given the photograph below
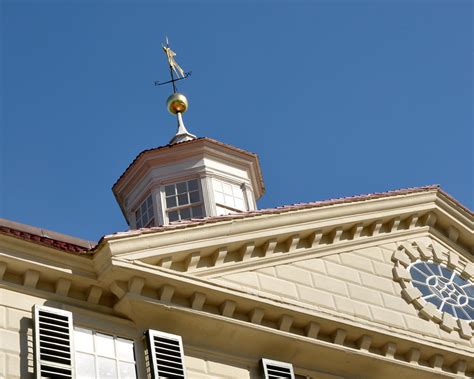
251, 243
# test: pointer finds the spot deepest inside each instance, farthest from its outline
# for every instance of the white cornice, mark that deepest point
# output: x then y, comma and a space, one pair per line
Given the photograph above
331, 225
180, 152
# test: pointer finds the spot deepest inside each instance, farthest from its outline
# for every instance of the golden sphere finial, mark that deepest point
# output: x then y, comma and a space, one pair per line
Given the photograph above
177, 103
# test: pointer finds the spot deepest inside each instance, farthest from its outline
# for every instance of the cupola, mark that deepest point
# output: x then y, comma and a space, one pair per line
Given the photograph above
190, 178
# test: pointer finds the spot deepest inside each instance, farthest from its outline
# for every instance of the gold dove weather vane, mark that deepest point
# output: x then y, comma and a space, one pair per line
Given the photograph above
171, 61
174, 67
177, 103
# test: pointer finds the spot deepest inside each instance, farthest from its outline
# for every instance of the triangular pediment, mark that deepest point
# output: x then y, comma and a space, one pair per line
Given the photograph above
210, 246
336, 260
363, 284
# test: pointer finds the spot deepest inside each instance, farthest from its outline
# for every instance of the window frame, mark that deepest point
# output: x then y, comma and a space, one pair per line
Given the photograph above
151, 222
179, 208
96, 355
152, 359
38, 344
72, 345
266, 362
218, 204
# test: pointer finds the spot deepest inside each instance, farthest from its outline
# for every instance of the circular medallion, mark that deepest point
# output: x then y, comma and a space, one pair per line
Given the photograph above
439, 283
444, 288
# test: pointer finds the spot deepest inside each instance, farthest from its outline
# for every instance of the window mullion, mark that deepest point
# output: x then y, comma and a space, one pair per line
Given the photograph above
116, 359
96, 360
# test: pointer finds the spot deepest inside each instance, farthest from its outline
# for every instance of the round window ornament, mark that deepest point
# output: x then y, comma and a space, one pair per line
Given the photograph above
444, 288
439, 284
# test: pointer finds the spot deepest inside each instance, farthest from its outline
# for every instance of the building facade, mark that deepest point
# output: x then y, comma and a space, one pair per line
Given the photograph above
204, 285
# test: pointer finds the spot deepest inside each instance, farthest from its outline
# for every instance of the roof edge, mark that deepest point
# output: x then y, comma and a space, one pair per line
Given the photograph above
45, 237
179, 144
78, 246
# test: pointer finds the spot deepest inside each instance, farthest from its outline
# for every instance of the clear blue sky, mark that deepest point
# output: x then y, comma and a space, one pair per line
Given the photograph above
337, 98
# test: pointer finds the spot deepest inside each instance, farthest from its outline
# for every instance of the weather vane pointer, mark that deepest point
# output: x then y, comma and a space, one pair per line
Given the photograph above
177, 103
174, 67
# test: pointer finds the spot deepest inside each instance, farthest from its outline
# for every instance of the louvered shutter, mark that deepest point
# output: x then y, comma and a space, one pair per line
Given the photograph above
275, 369
165, 355
53, 343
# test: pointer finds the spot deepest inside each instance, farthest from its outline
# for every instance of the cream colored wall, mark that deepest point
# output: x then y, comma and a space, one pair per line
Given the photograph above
202, 368
16, 334
357, 284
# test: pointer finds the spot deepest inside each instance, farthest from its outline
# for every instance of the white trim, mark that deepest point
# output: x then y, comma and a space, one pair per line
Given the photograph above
283, 365
37, 343
94, 353
151, 334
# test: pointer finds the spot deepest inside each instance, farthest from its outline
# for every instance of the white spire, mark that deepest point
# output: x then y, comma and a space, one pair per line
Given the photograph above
182, 133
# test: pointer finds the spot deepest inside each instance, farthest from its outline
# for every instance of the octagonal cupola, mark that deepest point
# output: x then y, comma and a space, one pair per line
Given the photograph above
190, 178
197, 178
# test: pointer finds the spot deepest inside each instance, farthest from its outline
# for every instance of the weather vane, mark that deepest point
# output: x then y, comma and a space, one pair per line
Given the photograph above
177, 103
174, 67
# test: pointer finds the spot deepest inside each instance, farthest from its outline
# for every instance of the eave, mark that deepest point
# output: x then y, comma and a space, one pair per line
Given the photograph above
169, 153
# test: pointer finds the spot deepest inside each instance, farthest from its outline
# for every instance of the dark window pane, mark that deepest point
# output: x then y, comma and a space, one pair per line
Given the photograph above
423, 268
471, 302
435, 268
151, 223
445, 294
171, 202
149, 202
197, 211
183, 199
424, 289
194, 197
193, 185
418, 275
451, 300
185, 213
469, 290
181, 187
461, 314
470, 312
169, 190
435, 300
448, 308
446, 272
173, 216
458, 280
150, 213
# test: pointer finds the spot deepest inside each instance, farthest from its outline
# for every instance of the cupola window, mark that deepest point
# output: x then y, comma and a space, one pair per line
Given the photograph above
144, 216
229, 197
183, 201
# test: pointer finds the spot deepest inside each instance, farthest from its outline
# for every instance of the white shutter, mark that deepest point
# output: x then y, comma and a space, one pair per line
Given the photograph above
165, 355
275, 369
53, 343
